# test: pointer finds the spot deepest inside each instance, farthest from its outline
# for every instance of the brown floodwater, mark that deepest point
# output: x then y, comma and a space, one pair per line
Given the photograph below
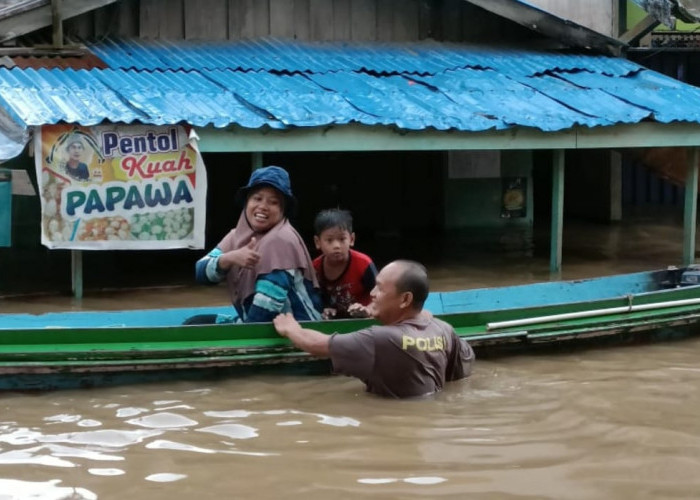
616, 423
609, 423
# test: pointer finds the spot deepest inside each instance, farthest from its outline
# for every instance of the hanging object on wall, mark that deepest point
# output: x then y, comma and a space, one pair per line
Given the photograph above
514, 199
120, 187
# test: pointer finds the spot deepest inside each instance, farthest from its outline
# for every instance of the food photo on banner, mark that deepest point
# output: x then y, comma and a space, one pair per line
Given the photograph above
120, 187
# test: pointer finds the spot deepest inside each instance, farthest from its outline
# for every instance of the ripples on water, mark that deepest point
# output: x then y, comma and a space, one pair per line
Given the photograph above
617, 423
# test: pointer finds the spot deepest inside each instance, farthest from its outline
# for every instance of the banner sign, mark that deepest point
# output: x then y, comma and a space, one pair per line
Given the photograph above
126, 187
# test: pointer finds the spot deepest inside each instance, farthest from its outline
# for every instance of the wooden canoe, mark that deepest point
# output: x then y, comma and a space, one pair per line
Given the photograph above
57, 350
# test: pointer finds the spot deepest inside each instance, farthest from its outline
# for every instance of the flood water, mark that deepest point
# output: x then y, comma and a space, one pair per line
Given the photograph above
610, 423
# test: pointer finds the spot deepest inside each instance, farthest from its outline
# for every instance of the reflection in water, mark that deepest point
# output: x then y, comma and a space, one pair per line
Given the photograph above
165, 478
49, 490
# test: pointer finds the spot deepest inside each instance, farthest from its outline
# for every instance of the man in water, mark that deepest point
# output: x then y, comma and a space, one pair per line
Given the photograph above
409, 354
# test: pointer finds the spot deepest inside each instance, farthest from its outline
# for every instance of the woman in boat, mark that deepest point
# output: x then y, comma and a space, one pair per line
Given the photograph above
263, 259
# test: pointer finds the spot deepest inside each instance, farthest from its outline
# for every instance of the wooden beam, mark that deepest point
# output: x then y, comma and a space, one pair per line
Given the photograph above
557, 214
256, 160
76, 265
643, 27
379, 138
690, 209
57, 23
615, 192
541, 21
40, 17
619, 18
640, 135
45, 51
364, 138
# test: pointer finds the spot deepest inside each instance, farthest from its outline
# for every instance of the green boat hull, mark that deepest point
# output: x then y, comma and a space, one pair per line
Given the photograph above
58, 357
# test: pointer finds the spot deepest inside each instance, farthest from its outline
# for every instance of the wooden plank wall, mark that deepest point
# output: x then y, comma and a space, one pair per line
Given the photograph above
120, 19
362, 20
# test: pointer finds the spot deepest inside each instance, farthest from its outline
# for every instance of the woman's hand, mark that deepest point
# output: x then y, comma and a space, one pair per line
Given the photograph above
246, 256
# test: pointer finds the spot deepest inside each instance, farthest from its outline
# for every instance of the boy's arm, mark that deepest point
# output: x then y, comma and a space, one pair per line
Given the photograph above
369, 277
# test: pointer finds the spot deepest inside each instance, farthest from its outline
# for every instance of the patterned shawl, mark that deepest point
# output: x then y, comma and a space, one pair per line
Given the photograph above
280, 248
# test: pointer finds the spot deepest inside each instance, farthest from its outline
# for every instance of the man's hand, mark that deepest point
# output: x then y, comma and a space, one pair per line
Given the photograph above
311, 341
285, 324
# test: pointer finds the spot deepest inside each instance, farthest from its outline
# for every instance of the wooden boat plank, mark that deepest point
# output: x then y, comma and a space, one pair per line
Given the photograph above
550, 293
603, 320
9, 368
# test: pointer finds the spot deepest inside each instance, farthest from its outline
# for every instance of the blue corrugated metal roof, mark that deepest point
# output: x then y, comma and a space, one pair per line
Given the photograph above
271, 54
282, 84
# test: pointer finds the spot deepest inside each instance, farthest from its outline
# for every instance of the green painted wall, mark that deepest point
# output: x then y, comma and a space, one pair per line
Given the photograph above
478, 202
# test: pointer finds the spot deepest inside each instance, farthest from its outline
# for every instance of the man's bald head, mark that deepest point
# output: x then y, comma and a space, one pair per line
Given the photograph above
412, 277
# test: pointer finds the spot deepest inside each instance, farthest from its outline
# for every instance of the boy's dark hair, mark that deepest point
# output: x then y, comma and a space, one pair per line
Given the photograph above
332, 217
414, 279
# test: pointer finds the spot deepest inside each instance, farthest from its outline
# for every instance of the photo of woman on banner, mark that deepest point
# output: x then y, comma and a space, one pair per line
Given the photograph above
263, 259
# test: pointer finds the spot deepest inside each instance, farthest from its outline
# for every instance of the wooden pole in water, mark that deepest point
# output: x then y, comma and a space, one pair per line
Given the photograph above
557, 213
690, 212
76, 265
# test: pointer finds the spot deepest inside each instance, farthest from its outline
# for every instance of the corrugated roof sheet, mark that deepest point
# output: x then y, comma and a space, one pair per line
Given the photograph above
279, 84
271, 54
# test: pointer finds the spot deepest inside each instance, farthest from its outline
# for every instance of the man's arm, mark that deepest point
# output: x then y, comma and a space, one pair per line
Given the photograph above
311, 341
461, 359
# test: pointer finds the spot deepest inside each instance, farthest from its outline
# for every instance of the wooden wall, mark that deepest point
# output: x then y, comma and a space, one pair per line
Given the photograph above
599, 15
366, 20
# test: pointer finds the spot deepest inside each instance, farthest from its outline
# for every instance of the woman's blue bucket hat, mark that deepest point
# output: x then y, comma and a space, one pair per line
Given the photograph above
272, 176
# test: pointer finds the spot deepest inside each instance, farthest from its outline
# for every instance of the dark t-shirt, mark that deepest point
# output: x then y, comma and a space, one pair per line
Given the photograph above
412, 358
80, 172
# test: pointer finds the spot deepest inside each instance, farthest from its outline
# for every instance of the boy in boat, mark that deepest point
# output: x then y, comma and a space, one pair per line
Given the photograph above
346, 276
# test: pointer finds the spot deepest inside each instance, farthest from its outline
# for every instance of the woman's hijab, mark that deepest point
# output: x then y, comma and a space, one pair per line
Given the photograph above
280, 248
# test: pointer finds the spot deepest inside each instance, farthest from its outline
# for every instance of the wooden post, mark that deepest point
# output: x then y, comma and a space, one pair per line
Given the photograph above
256, 160
57, 23
557, 213
615, 195
76, 265
690, 212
